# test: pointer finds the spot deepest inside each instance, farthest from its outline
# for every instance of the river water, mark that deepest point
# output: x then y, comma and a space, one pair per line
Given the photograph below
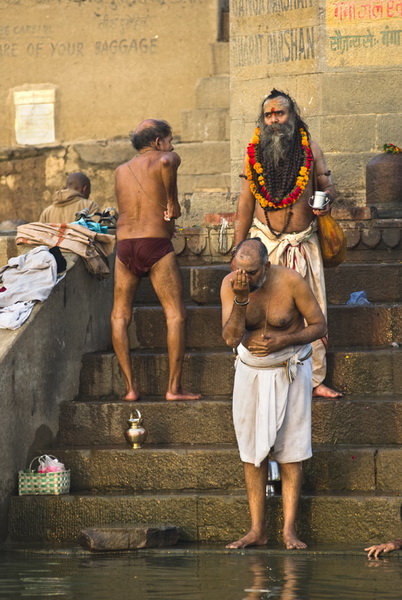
199, 575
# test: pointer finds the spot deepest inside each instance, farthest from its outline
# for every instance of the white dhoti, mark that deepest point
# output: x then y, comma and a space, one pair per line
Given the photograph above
301, 252
272, 405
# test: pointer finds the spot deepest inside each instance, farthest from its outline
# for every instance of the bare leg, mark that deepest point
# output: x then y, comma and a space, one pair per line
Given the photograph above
323, 391
291, 475
125, 286
256, 481
165, 278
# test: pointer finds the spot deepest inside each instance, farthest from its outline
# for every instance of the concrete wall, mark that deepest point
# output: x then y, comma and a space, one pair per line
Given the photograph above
40, 365
340, 60
108, 63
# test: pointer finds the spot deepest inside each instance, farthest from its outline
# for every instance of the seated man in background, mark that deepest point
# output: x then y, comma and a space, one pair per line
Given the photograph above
73, 198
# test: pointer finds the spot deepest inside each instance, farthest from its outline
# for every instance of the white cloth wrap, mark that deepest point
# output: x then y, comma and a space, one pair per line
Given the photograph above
272, 405
301, 252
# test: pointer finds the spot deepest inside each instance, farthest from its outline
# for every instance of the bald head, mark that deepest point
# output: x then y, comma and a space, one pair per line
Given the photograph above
252, 250
80, 183
148, 132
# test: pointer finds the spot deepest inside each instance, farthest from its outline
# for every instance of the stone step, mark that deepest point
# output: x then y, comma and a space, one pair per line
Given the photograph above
382, 283
213, 92
220, 58
204, 125
377, 371
361, 420
101, 375
210, 467
213, 517
371, 325
351, 326
203, 328
201, 285
210, 372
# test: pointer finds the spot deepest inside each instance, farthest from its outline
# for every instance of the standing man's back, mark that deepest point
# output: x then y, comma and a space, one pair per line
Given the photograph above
146, 192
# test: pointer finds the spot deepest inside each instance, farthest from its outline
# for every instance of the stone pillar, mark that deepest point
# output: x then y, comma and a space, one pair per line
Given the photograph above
339, 60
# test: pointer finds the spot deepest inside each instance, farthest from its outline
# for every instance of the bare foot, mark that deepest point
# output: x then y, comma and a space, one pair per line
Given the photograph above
182, 395
132, 395
250, 539
324, 391
292, 542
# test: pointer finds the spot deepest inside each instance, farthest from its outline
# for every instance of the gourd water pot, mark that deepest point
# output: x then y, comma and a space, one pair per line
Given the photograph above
135, 434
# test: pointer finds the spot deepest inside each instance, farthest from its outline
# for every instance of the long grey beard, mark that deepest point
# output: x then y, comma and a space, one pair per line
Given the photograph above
276, 142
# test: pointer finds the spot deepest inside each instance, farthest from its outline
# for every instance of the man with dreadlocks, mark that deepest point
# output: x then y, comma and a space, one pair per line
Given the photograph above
283, 168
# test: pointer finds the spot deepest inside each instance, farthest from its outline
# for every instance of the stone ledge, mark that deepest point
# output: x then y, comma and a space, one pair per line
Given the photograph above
128, 537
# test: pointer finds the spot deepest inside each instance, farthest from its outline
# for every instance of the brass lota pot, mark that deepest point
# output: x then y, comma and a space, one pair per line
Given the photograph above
135, 434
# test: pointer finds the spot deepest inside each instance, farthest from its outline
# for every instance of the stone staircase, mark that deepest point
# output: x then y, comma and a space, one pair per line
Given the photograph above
189, 473
204, 146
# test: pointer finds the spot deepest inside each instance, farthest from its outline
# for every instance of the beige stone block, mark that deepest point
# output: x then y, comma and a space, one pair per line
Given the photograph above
107, 152
237, 169
389, 469
201, 125
348, 133
362, 92
339, 469
213, 92
199, 204
202, 183
220, 58
204, 158
388, 130
348, 173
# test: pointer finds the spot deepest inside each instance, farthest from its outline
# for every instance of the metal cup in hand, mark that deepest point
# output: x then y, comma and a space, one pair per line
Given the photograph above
319, 201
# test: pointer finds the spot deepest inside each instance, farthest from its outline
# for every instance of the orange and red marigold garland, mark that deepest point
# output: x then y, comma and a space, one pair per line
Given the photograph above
259, 190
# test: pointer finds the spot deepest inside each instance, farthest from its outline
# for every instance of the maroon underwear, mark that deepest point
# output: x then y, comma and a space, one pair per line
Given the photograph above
140, 254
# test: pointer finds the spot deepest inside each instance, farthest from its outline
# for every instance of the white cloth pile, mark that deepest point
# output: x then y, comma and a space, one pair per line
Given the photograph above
25, 279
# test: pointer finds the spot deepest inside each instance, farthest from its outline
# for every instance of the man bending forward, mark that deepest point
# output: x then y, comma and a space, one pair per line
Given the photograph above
271, 315
146, 192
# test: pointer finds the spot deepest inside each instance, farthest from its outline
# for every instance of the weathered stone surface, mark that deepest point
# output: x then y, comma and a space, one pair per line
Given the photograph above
205, 283
349, 326
213, 92
375, 420
354, 213
220, 58
365, 371
203, 327
389, 469
349, 420
151, 369
343, 518
128, 537
338, 468
203, 158
155, 469
106, 152
370, 326
102, 423
208, 124
208, 183
337, 133
382, 282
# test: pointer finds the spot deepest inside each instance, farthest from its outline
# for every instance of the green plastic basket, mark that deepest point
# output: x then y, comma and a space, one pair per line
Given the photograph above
32, 483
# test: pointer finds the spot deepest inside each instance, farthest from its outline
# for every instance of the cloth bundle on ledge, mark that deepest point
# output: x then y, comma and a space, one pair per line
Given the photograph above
26, 279
93, 247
